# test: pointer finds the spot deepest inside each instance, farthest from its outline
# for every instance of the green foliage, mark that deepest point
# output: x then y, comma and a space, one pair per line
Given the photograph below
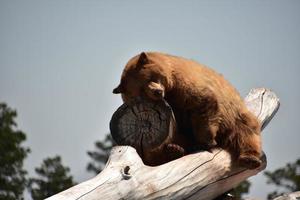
286, 179
241, 189
100, 156
12, 155
53, 178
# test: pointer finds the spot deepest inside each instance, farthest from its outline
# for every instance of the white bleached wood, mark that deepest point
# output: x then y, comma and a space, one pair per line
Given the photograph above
290, 196
202, 175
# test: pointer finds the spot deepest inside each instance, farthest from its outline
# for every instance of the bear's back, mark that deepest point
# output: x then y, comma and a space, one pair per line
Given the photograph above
192, 73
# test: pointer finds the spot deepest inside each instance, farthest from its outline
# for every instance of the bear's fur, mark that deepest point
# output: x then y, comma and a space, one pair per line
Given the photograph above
208, 110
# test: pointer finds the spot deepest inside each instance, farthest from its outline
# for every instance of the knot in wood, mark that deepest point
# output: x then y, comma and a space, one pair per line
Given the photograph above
125, 173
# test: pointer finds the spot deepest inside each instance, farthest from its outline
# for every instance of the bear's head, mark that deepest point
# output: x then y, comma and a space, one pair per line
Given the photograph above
143, 77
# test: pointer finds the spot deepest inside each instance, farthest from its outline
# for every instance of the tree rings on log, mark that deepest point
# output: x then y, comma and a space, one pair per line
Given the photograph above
144, 125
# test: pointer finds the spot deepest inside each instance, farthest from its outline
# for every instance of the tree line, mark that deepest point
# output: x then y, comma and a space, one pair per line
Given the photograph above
52, 176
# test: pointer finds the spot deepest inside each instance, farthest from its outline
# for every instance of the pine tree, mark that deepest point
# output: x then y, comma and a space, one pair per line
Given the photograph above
241, 189
286, 179
12, 155
53, 177
100, 156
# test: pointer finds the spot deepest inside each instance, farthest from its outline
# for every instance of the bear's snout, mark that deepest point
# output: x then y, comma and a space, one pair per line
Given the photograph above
155, 91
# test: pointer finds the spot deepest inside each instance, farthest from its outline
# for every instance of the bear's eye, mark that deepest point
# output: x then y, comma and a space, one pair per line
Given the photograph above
154, 78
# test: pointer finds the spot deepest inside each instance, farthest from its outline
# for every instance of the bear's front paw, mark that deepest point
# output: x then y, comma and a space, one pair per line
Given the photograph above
249, 161
174, 151
211, 144
208, 146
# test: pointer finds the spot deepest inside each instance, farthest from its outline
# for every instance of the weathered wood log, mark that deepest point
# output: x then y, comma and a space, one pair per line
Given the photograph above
203, 175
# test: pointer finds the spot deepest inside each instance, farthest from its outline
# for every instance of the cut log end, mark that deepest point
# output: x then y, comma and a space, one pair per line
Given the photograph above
144, 125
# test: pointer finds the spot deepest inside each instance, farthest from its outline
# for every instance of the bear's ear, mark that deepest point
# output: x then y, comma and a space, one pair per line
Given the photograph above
143, 59
118, 90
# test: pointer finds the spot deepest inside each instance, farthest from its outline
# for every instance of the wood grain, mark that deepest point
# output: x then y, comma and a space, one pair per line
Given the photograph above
144, 125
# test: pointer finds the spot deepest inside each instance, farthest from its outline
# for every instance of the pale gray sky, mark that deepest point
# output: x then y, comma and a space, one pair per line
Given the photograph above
60, 60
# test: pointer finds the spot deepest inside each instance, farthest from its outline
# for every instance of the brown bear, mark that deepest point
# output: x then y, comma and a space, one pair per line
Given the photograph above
208, 109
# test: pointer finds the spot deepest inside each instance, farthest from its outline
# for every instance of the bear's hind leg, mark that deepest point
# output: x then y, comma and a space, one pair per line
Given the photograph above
250, 156
248, 142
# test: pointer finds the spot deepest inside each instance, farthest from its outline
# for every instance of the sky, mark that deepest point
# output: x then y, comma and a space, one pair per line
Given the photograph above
60, 60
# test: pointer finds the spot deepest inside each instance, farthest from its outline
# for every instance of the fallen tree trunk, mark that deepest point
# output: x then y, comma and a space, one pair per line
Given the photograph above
203, 175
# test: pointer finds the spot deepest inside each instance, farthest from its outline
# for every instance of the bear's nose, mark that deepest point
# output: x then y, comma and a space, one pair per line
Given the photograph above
158, 92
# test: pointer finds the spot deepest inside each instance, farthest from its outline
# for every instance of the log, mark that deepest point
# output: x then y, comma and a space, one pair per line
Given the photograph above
147, 126
202, 175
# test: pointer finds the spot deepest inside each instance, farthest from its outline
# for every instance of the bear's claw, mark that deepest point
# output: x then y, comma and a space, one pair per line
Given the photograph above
249, 161
175, 151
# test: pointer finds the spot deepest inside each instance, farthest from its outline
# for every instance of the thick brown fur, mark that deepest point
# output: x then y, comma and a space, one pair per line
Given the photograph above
208, 109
